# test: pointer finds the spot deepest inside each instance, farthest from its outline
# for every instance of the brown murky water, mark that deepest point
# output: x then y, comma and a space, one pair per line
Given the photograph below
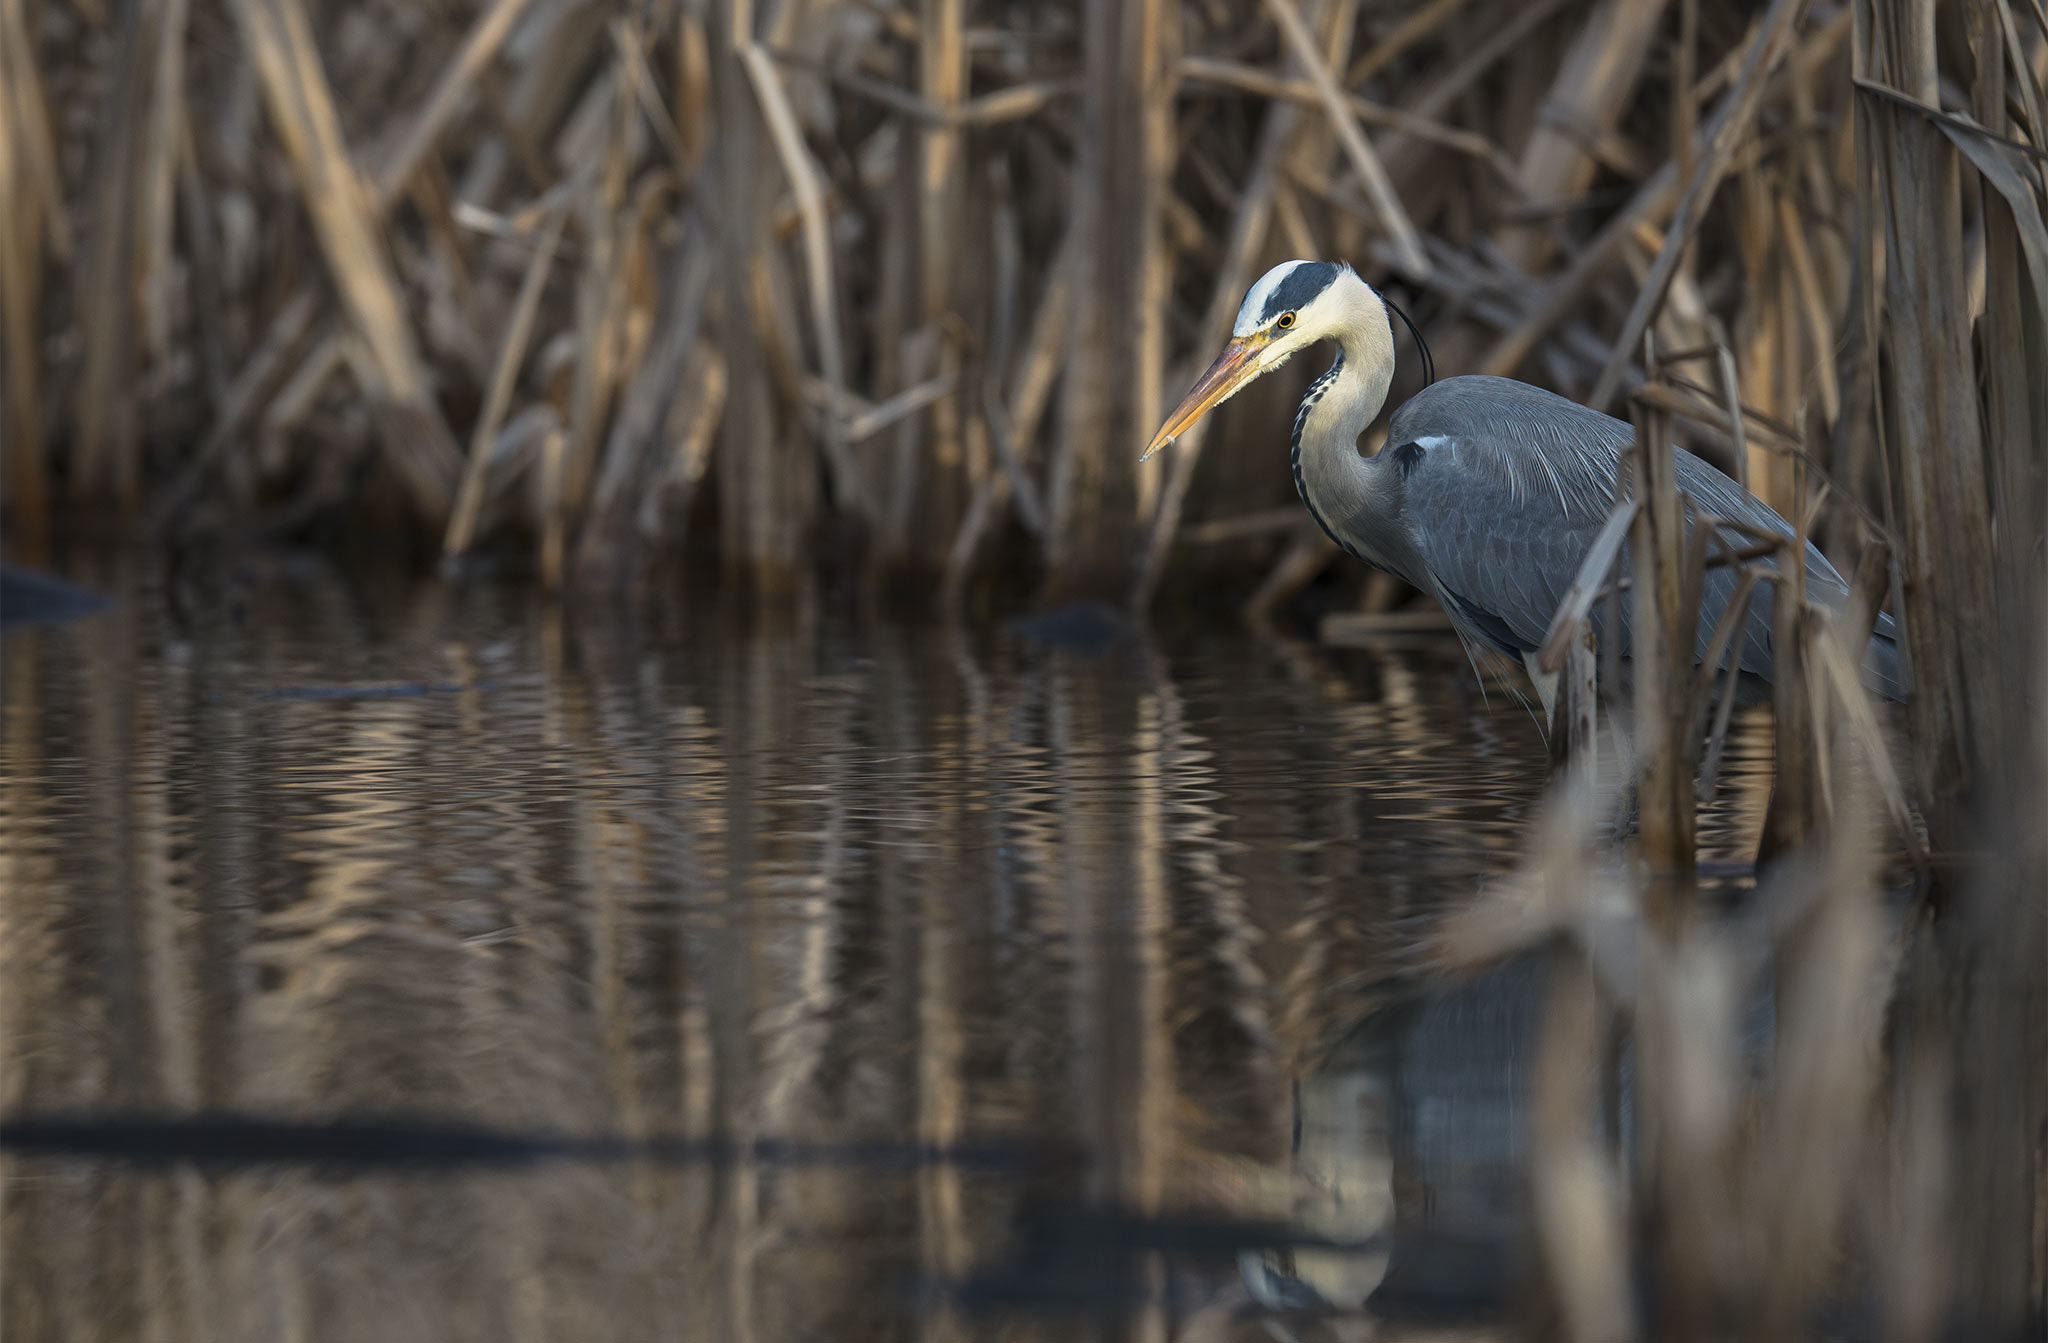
292, 846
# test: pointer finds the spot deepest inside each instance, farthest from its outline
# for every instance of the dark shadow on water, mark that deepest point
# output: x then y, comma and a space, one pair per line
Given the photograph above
226, 1142
31, 597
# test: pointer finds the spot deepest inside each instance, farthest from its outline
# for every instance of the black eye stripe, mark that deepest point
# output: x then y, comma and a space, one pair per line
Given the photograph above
1301, 285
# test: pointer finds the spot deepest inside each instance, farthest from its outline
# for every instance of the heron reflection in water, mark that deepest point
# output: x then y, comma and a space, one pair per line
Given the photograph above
1489, 492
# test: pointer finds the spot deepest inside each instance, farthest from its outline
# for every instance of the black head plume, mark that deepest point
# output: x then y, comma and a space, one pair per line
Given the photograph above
1428, 362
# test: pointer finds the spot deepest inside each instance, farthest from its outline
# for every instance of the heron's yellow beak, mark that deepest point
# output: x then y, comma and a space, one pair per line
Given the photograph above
1236, 366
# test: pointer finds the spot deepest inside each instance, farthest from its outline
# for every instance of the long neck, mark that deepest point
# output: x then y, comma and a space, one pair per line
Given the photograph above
1342, 489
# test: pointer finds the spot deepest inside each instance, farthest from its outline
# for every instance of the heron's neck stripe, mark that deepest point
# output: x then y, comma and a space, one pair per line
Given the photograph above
1316, 392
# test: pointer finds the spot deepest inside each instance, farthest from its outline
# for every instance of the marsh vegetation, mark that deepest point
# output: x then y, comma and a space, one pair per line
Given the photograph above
613, 293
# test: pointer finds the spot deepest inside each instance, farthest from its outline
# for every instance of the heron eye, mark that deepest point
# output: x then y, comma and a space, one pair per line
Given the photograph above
1286, 320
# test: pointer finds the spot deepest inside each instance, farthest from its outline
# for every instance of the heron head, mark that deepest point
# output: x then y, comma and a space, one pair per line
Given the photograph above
1294, 305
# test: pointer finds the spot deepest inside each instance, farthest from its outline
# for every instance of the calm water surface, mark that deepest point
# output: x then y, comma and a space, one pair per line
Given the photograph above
294, 845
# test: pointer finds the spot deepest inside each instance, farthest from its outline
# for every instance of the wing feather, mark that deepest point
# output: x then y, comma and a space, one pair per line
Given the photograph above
1504, 553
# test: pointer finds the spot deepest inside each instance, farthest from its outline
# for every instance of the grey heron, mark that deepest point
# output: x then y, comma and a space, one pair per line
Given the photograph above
1489, 491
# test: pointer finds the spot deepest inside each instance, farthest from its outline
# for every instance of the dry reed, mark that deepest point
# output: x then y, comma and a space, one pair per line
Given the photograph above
911, 275
270, 260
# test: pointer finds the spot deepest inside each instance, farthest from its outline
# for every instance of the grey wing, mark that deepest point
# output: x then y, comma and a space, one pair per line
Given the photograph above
1505, 486
1501, 568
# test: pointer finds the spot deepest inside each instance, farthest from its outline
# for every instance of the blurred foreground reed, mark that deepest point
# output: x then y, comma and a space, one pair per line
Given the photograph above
1889, 1147
1878, 1162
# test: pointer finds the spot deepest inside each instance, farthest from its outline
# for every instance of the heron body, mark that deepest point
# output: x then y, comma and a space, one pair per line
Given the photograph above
1489, 491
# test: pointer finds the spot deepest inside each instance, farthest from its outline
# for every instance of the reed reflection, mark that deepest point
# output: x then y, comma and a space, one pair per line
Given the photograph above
329, 850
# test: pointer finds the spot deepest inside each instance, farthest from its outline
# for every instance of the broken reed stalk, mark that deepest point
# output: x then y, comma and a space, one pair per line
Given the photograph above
1662, 650
1574, 722
1794, 810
